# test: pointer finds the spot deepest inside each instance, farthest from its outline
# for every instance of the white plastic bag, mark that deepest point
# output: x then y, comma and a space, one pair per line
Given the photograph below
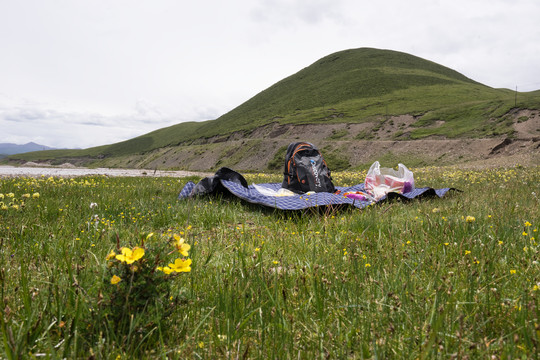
381, 181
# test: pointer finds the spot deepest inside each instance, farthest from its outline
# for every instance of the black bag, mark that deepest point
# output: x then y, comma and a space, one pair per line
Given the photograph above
213, 184
305, 170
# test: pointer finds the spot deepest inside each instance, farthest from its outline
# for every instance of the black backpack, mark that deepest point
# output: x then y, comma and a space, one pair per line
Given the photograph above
305, 170
213, 184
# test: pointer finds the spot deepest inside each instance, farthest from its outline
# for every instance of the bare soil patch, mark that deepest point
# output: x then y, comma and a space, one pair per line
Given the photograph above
527, 124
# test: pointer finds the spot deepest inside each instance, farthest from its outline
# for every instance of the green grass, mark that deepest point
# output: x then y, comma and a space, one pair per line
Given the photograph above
396, 280
351, 86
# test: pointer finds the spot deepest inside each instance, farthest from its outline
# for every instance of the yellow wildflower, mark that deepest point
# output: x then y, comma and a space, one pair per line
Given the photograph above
167, 270
115, 280
130, 256
35, 195
368, 265
111, 255
181, 265
467, 252
470, 219
181, 246
512, 271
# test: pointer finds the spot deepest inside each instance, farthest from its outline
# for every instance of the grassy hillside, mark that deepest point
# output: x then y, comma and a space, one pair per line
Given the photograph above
351, 86
331, 84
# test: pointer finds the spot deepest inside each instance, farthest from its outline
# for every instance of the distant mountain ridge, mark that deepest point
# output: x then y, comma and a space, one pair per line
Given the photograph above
357, 105
12, 149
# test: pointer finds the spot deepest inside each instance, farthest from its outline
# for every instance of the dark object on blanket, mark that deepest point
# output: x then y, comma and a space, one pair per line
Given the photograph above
305, 170
212, 184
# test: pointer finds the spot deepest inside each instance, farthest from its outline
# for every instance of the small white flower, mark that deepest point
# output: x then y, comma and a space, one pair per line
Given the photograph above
93, 205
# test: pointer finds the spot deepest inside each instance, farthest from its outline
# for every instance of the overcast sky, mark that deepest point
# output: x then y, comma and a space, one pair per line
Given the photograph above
82, 73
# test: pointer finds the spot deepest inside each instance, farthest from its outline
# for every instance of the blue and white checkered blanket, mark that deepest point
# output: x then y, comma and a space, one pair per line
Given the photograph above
304, 201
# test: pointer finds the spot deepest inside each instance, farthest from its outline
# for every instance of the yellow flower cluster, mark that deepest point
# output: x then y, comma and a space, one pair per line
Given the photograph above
129, 256
179, 265
13, 202
470, 219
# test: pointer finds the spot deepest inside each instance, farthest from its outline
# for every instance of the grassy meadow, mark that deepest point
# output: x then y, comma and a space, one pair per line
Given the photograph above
114, 268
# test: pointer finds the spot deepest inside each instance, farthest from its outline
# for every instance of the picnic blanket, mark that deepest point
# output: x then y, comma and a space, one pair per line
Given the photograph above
304, 201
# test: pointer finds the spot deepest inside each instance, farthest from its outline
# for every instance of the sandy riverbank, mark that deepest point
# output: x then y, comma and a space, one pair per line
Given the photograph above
26, 171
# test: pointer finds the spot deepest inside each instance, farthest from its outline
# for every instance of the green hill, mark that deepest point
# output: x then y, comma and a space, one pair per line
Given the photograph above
346, 81
349, 87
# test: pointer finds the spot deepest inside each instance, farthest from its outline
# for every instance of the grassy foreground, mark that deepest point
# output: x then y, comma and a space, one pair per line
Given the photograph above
438, 278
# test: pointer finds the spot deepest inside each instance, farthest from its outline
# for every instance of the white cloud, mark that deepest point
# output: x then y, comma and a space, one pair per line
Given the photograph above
25, 122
